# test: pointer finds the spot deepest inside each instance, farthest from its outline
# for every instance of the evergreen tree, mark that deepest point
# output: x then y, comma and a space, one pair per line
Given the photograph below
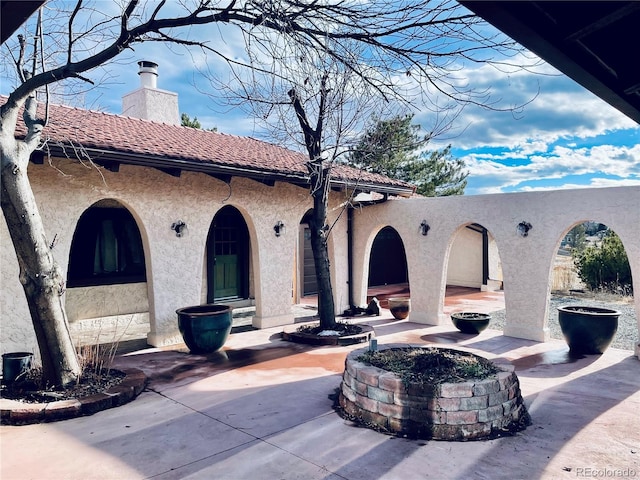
577, 238
393, 148
185, 121
606, 267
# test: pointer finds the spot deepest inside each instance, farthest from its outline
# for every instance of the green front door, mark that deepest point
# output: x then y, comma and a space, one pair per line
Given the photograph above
227, 256
226, 264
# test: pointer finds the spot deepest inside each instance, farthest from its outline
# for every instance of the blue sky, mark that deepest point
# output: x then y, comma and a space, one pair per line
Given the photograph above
565, 137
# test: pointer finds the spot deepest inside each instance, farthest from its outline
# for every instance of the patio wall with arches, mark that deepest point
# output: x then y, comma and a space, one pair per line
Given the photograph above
527, 261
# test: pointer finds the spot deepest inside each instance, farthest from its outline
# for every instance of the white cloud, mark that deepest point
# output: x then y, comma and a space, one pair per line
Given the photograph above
594, 183
498, 172
558, 108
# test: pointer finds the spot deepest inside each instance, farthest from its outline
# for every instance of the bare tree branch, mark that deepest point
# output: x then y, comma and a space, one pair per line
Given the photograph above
335, 61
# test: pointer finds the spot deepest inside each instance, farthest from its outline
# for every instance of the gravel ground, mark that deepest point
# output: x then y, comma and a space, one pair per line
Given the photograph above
627, 335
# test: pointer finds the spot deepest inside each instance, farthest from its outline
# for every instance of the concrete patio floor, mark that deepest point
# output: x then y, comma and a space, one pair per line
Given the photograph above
260, 409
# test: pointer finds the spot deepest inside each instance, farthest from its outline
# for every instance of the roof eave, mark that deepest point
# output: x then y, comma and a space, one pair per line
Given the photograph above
359, 186
102, 156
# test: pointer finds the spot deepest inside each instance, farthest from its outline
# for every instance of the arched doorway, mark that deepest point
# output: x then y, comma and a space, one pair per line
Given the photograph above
228, 257
307, 268
388, 261
388, 272
474, 260
473, 275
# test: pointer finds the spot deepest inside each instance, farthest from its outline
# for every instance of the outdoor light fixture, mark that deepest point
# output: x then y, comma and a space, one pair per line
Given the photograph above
180, 228
523, 228
424, 227
279, 228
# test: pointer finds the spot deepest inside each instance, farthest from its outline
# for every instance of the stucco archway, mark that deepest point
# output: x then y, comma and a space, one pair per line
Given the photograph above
613, 284
387, 259
473, 268
305, 269
107, 299
473, 259
385, 265
228, 257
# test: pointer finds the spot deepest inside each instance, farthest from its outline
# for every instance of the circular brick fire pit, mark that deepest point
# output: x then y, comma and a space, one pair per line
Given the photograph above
468, 410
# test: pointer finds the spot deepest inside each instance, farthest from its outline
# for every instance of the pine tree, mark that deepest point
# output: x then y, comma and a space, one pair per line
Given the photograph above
395, 148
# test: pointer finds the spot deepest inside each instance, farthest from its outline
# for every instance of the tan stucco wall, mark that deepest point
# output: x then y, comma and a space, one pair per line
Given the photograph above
175, 265
495, 265
465, 260
104, 300
527, 262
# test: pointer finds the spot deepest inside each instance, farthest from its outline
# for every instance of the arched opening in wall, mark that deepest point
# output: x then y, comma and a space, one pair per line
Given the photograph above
388, 273
228, 257
306, 269
591, 269
107, 296
474, 281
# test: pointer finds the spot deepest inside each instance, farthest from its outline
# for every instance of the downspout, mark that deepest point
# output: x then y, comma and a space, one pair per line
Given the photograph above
354, 309
485, 256
350, 255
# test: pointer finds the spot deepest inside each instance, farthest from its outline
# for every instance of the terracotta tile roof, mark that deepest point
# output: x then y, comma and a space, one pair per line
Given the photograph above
121, 139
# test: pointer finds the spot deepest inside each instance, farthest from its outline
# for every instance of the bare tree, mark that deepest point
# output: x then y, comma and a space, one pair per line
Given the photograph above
398, 49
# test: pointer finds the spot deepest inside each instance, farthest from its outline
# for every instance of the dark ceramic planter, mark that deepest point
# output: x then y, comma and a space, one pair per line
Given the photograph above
15, 364
470, 322
205, 328
588, 330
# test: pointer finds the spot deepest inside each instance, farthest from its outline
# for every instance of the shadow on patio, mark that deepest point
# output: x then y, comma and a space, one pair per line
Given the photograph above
260, 409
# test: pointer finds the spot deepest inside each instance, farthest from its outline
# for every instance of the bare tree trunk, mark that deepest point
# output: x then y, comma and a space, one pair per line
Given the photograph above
320, 178
39, 274
319, 231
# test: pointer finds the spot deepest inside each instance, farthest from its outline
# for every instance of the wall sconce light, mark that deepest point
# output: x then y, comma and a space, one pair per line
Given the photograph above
278, 228
180, 228
523, 228
424, 228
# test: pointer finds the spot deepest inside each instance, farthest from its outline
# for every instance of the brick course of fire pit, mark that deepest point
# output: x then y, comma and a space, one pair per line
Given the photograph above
469, 410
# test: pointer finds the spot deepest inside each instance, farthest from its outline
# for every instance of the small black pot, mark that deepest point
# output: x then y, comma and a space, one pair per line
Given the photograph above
588, 330
205, 328
470, 322
15, 364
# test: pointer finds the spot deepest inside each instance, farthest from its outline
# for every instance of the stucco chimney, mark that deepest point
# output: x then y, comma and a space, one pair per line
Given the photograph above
148, 101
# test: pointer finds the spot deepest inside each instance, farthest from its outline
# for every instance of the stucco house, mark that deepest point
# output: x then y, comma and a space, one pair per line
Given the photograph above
146, 216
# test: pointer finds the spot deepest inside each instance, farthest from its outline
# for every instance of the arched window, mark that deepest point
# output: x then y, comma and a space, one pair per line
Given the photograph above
106, 248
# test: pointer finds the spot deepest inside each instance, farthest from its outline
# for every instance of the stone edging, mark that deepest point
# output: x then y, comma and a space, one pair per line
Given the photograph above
450, 411
291, 334
13, 412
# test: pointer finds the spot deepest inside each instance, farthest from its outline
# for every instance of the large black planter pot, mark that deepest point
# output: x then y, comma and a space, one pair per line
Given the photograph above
588, 330
470, 322
205, 328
